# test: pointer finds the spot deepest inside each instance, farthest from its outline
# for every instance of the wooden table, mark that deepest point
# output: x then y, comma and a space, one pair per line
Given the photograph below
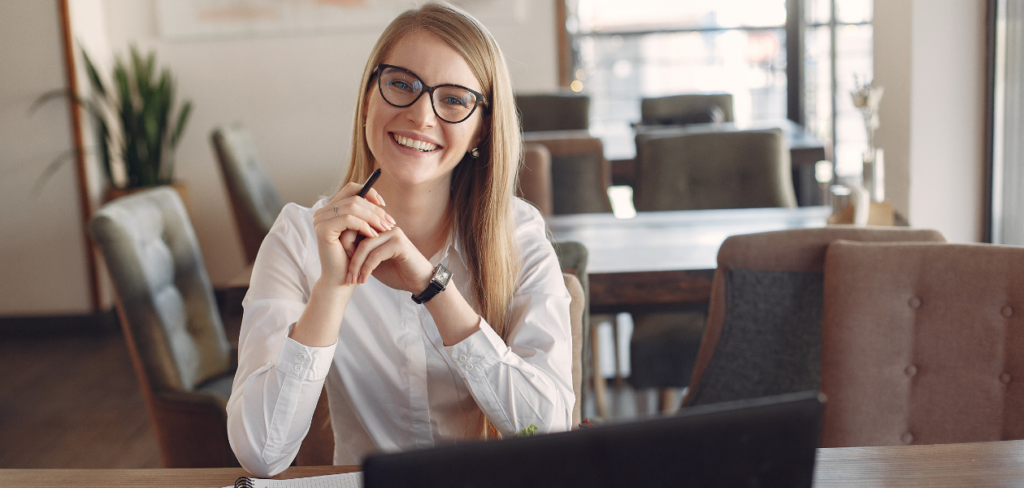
660, 261
983, 464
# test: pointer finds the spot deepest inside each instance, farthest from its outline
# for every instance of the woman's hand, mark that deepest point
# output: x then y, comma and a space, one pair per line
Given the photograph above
349, 214
391, 258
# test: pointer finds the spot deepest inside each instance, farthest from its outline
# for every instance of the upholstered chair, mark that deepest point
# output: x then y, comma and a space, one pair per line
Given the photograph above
702, 169
572, 257
763, 334
171, 324
535, 178
922, 344
253, 198
580, 175
693, 108
577, 306
553, 111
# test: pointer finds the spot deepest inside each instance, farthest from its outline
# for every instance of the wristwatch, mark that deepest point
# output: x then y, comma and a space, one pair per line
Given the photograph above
438, 283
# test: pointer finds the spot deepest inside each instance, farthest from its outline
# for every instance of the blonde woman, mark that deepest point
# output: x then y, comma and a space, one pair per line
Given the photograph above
354, 293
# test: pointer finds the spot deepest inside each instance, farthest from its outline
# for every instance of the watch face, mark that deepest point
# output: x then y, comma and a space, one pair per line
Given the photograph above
441, 275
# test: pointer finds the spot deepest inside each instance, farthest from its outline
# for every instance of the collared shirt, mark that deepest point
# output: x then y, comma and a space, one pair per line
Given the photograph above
391, 383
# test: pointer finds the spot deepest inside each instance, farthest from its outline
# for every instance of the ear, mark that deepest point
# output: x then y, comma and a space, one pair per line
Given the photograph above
483, 132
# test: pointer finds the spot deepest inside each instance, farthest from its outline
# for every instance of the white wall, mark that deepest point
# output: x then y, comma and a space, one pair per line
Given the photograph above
43, 267
297, 94
930, 56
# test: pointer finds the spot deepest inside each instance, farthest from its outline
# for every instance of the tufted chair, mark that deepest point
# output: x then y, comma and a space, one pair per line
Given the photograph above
170, 321
922, 344
253, 198
693, 108
553, 111
712, 169
572, 257
580, 175
763, 334
535, 177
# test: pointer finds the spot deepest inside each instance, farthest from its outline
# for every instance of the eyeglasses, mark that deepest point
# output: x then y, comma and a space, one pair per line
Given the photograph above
402, 88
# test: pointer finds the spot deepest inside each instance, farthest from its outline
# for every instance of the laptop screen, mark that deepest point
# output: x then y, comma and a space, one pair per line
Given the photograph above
763, 442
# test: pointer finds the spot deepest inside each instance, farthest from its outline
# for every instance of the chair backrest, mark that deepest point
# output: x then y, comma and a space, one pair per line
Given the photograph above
922, 344
553, 111
576, 307
695, 170
253, 198
687, 109
763, 335
168, 308
580, 175
535, 177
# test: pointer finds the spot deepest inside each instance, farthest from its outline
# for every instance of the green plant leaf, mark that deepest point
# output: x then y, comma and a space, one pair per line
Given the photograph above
186, 109
94, 77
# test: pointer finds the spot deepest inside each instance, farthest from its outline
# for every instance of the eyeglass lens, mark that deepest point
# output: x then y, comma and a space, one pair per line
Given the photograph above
451, 103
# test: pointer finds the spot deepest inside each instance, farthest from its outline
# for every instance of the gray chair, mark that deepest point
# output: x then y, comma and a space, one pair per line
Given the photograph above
712, 169
572, 257
763, 334
171, 324
580, 174
253, 198
693, 108
553, 111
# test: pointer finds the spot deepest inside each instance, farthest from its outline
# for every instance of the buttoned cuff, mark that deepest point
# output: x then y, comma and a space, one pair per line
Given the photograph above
305, 362
476, 353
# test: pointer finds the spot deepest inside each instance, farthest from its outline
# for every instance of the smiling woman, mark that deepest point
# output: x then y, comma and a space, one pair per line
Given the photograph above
483, 345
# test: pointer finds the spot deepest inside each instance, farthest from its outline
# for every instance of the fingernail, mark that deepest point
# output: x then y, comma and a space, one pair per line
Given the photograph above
381, 198
390, 219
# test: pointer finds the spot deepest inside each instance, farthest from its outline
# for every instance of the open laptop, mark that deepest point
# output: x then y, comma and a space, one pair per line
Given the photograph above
763, 442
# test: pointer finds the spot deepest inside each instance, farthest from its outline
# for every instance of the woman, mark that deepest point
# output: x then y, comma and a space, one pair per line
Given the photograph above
329, 301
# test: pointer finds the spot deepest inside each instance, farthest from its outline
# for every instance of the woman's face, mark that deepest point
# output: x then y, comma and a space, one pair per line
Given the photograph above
439, 145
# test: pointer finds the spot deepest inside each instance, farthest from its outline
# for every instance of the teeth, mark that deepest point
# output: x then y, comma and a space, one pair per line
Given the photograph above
415, 144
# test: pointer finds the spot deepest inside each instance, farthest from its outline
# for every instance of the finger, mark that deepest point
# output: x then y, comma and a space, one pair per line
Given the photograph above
349, 241
376, 198
357, 207
374, 257
355, 263
333, 228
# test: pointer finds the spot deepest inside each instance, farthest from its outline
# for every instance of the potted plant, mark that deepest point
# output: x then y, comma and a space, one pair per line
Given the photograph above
136, 134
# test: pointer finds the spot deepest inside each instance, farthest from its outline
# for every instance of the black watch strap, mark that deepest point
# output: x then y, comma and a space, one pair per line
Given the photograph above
438, 283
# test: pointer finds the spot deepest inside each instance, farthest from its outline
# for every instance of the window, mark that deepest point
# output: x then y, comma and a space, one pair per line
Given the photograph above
625, 51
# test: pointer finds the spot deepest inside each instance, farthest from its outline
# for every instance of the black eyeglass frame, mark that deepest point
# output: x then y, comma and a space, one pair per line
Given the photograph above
480, 98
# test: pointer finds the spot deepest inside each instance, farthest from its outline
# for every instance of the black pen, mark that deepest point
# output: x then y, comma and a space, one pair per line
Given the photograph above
369, 183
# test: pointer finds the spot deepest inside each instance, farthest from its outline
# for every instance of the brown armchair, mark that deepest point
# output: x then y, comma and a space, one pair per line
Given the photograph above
580, 175
535, 178
922, 344
553, 111
692, 108
763, 334
171, 324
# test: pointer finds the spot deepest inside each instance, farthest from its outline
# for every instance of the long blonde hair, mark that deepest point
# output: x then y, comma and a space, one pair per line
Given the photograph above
480, 205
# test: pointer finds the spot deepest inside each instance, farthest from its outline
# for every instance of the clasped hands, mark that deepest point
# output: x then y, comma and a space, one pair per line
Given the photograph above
356, 238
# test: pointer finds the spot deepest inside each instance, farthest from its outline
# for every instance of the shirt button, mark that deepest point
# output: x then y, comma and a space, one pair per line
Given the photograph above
911, 370
298, 368
915, 303
469, 366
462, 358
907, 438
1007, 311
302, 356
1005, 378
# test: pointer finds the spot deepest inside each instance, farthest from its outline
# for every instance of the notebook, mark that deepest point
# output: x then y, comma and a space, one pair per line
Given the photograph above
764, 442
343, 480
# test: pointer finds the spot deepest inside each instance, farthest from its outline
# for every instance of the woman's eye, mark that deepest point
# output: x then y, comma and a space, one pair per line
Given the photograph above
400, 85
453, 100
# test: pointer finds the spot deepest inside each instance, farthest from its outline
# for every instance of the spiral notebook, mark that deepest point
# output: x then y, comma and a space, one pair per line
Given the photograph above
343, 480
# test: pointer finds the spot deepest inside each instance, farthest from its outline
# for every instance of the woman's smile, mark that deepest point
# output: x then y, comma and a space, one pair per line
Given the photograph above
416, 144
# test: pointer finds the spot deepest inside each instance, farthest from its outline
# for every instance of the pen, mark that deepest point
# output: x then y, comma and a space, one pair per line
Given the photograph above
369, 183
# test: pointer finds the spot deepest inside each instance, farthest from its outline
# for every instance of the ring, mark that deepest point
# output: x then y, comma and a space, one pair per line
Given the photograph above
336, 211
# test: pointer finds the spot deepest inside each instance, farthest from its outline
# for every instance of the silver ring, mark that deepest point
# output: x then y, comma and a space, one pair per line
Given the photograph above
336, 211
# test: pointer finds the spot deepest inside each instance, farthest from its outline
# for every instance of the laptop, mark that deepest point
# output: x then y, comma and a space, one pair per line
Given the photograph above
762, 442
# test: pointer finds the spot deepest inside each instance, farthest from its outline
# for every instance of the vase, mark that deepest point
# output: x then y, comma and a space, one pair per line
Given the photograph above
874, 174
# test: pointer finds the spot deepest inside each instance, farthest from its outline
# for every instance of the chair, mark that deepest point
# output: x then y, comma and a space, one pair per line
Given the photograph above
922, 344
253, 199
702, 169
170, 321
764, 320
553, 111
535, 178
694, 108
580, 175
577, 305
572, 257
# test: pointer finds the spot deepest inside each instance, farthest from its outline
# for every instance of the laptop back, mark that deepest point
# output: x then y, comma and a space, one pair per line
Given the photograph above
763, 442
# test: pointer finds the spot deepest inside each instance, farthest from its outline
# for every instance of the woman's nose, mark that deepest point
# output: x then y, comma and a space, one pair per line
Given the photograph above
422, 112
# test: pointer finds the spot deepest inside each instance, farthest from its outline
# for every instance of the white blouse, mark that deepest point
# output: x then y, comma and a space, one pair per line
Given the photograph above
391, 383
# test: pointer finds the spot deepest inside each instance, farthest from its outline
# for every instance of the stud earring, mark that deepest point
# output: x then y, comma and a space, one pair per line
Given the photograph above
475, 153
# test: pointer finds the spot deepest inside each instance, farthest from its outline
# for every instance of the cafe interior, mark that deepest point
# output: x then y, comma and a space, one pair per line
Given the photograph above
748, 199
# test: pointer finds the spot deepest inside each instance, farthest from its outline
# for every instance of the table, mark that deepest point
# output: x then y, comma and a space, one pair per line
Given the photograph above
982, 464
805, 149
662, 261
